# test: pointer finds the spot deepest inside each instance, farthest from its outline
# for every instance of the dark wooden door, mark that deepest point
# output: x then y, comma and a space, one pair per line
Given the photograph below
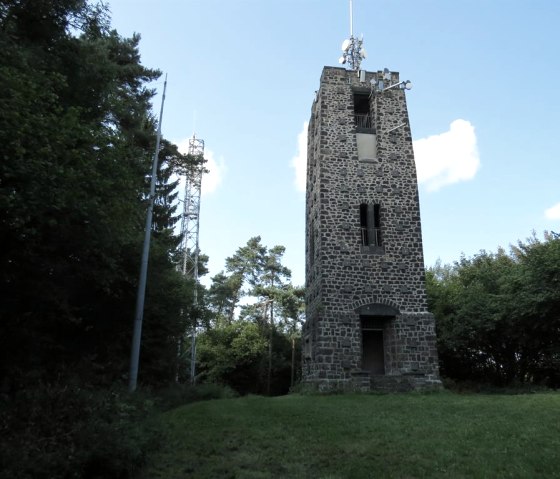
373, 355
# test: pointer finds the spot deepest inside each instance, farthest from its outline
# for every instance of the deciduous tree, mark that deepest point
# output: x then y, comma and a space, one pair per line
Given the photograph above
498, 315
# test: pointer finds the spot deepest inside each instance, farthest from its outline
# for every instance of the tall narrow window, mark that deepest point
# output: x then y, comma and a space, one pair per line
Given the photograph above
363, 224
376, 224
370, 224
362, 114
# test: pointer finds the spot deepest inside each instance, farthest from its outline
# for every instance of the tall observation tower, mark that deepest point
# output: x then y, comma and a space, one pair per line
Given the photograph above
367, 324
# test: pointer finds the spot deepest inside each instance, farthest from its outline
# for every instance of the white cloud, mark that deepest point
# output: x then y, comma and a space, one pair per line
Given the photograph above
216, 171
216, 168
299, 162
449, 157
553, 213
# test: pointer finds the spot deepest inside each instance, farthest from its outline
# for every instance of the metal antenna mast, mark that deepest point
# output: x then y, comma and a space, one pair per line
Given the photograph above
351, 20
190, 232
352, 50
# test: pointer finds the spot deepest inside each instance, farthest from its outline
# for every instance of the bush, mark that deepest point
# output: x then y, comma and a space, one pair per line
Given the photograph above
70, 432
470, 387
61, 431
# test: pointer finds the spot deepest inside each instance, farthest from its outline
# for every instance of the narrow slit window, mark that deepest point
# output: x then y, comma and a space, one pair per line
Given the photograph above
363, 224
377, 224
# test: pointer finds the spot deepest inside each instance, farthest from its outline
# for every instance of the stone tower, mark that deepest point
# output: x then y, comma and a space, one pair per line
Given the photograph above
367, 324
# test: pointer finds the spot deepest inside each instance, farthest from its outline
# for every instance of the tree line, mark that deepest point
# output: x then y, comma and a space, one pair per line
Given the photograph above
498, 314
253, 346
77, 133
77, 137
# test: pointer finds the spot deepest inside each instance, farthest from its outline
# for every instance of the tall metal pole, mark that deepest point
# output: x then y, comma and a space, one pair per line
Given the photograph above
139, 313
351, 21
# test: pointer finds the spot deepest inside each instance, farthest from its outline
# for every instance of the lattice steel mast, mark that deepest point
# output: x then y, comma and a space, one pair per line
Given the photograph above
190, 232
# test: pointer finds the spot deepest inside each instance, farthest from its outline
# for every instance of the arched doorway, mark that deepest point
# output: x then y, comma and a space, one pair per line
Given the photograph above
375, 322
373, 348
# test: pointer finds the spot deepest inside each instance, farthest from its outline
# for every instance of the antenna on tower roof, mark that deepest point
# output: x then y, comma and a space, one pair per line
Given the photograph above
352, 51
351, 20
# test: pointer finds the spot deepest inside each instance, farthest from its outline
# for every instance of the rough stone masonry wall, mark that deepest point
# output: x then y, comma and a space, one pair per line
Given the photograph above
341, 274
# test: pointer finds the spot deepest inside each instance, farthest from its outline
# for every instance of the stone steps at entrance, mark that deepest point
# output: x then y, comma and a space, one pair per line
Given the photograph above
364, 381
390, 384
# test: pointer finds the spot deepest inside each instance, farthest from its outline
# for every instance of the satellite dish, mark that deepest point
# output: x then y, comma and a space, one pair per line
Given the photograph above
346, 45
342, 60
407, 85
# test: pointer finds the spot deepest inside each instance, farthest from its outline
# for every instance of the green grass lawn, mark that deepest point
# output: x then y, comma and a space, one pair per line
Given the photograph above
363, 436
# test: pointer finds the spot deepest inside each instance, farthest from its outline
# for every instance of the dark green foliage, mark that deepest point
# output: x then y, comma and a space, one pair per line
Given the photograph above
236, 355
70, 186
259, 352
70, 432
222, 298
177, 394
498, 315
233, 355
78, 138
67, 431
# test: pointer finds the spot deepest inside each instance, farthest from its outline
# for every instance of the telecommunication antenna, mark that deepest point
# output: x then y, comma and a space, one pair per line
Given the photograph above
378, 85
190, 232
352, 50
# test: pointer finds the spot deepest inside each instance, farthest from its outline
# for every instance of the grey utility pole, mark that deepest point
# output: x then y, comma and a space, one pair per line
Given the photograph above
139, 313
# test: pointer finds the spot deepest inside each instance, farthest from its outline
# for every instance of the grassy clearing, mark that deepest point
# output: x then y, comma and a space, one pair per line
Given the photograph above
363, 436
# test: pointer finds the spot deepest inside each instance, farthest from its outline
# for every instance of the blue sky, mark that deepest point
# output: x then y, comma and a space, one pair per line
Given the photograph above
483, 110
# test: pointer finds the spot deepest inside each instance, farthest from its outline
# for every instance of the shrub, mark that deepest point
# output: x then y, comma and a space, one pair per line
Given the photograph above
58, 431
179, 394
